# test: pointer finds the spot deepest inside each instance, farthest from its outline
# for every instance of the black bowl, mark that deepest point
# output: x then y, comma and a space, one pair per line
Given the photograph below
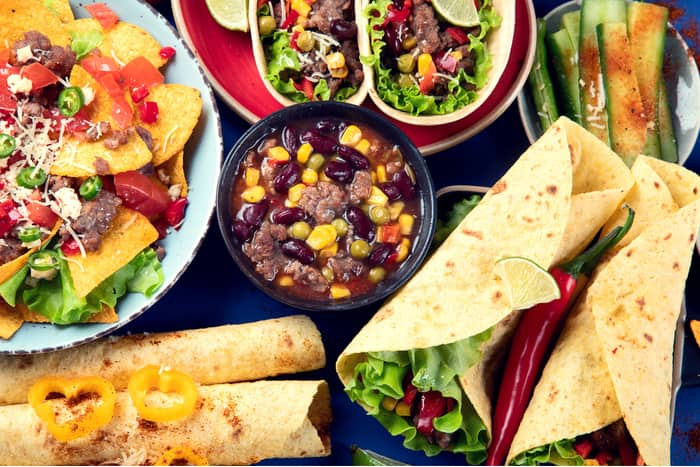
353, 114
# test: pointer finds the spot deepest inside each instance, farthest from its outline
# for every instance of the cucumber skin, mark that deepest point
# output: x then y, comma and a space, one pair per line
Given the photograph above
564, 60
541, 83
571, 21
667, 136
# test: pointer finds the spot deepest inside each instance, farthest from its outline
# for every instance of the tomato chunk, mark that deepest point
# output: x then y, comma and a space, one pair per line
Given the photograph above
39, 75
142, 194
141, 72
40, 214
99, 66
104, 14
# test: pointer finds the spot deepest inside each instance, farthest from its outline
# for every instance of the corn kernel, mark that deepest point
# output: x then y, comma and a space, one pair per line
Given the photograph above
278, 153
389, 403
377, 197
341, 72
309, 176
381, 173
297, 28
406, 224
373, 176
295, 192
252, 176
395, 209
403, 409
286, 281
424, 62
289, 204
404, 250
329, 251
351, 136
322, 177
335, 60
301, 7
363, 146
457, 55
254, 194
340, 291
304, 152
322, 236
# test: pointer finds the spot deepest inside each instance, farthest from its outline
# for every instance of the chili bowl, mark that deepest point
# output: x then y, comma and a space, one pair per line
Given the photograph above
326, 206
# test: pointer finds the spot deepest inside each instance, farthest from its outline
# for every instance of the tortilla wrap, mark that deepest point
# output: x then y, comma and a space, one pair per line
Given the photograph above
233, 424
223, 354
624, 369
547, 207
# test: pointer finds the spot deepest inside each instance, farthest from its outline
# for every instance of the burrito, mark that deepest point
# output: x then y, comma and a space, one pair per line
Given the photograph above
232, 424
424, 364
605, 392
221, 354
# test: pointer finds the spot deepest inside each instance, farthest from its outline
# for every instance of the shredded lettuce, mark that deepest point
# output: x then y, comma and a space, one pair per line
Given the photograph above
434, 369
83, 42
558, 453
410, 99
458, 212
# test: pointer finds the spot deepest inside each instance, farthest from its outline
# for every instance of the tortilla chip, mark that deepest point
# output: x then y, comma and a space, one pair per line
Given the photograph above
174, 168
128, 41
179, 108
20, 16
129, 234
107, 315
10, 320
78, 158
60, 8
695, 327
7, 270
100, 109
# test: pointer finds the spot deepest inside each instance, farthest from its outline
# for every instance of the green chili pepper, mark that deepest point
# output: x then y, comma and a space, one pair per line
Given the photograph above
91, 187
31, 177
29, 234
43, 260
70, 101
8, 144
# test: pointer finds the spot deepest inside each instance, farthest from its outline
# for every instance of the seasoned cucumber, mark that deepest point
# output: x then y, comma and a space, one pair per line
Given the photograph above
667, 136
594, 12
626, 121
646, 23
541, 82
571, 21
565, 63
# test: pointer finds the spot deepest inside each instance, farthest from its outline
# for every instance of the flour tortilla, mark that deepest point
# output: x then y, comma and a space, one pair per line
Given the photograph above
546, 207
233, 424
219, 354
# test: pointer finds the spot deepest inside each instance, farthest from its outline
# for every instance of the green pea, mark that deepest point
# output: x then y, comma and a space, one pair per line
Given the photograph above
359, 249
379, 215
300, 230
377, 274
305, 41
341, 227
405, 81
328, 273
316, 161
409, 43
267, 25
406, 63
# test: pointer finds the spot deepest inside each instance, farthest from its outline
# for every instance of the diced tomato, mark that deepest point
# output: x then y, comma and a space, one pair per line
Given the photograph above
78, 122
306, 86
4, 55
141, 193
8, 103
39, 213
99, 66
9, 216
39, 75
584, 447
111, 85
122, 113
140, 72
458, 34
138, 94
103, 14
176, 212
148, 111
70, 247
167, 52
390, 233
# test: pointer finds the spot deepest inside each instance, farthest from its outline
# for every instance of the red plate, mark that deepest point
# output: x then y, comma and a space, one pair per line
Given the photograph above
227, 59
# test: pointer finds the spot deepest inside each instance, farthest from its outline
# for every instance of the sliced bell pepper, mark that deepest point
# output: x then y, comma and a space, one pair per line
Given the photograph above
87, 422
291, 20
181, 455
394, 15
153, 377
306, 86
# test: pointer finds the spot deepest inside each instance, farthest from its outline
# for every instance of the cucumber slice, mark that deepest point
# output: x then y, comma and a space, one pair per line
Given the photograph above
571, 21
667, 135
541, 82
594, 12
565, 63
646, 24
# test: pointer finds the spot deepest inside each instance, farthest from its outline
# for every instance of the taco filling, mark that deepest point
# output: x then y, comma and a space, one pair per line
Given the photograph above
423, 64
311, 48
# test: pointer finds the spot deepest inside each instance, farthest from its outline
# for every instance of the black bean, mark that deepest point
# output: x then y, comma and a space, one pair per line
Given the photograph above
253, 214
320, 142
405, 185
338, 170
361, 224
242, 230
298, 250
354, 157
343, 30
391, 190
380, 254
290, 140
288, 176
287, 216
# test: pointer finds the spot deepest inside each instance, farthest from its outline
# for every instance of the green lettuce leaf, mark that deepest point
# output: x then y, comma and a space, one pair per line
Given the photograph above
458, 212
9, 288
434, 369
558, 453
83, 42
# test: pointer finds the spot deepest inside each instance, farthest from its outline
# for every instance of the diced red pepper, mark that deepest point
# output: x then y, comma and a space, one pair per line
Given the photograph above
409, 394
70, 247
292, 16
306, 86
446, 62
583, 448
427, 83
176, 212
398, 16
431, 406
9, 216
148, 112
458, 34
139, 93
104, 14
140, 72
390, 233
39, 75
604, 458
293, 41
98, 66
167, 52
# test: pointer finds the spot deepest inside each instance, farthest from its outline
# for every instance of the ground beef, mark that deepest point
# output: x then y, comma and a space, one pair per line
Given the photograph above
36, 40
324, 202
60, 60
447, 41
264, 251
145, 136
425, 27
468, 60
29, 110
345, 267
57, 182
307, 276
361, 187
323, 13
95, 218
10, 248
333, 85
316, 66
352, 61
101, 166
116, 138
98, 130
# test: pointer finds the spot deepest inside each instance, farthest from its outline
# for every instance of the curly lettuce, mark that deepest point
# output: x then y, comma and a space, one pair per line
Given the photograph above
434, 369
463, 90
557, 453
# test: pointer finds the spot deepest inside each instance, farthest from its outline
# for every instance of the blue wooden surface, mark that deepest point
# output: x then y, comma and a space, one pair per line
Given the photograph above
214, 292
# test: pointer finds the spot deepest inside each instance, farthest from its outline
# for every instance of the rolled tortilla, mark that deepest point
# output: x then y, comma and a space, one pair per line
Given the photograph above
234, 424
224, 354
547, 207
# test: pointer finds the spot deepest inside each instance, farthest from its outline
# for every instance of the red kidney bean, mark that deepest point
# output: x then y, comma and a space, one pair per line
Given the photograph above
343, 30
290, 139
380, 253
321, 143
391, 190
287, 216
331, 127
354, 157
361, 224
338, 170
288, 176
253, 214
393, 40
297, 249
405, 185
242, 230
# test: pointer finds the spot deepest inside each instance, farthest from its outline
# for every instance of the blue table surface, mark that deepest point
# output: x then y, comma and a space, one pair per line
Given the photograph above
214, 292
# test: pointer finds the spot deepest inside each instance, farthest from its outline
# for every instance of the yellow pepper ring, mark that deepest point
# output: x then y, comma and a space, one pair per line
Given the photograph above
167, 381
91, 420
181, 456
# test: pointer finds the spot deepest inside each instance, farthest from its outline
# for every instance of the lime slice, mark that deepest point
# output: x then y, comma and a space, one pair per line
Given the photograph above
527, 282
230, 14
458, 12
366, 457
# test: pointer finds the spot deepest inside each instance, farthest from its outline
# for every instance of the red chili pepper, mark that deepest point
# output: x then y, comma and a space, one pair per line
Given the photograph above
431, 406
176, 212
532, 340
306, 86
394, 15
70, 247
293, 41
410, 393
167, 52
458, 35
291, 19
583, 448
139, 93
148, 112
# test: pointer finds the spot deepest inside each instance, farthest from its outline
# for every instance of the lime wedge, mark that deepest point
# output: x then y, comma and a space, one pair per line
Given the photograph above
366, 457
230, 14
458, 12
527, 282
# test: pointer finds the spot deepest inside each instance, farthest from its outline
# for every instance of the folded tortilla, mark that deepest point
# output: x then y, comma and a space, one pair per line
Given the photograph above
547, 207
223, 354
614, 358
233, 424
